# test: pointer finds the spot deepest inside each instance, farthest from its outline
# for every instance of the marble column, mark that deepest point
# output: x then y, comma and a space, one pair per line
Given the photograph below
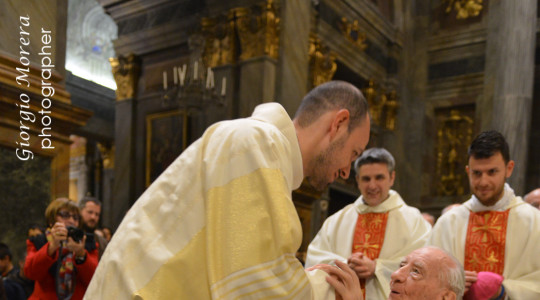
293, 64
259, 51
508, 78
126, 74
413, 72
257, 84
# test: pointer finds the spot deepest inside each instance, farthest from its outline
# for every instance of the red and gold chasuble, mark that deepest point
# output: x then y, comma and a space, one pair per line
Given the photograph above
369, 237
486, 239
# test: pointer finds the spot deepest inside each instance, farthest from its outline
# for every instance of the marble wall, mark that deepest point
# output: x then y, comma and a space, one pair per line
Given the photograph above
435, 60
25, 193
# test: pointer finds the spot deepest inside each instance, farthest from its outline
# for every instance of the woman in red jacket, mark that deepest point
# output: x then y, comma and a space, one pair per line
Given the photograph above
61, 263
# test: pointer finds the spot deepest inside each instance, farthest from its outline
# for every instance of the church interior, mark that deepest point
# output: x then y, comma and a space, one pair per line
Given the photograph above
137, 81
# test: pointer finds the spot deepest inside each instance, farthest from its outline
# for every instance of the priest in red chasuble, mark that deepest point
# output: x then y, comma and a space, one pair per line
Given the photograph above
495, 234
375, 232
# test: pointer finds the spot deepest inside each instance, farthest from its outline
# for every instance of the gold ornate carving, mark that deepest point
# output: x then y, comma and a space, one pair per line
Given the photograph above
375, 102
391, 107
322, 65
453, 137
126, 74
382, 106
107, 154
219, 34
464, 8
258, 30
352, 32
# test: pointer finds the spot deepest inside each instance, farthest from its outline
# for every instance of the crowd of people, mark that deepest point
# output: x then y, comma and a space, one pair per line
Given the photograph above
219, 223
61, 256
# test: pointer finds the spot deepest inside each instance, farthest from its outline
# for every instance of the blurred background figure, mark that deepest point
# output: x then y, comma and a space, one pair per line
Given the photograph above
449, 207
35, 230
90, 212
63, 259
429, 218
6, 264
107, 232
533, 198
13, 288
20, 278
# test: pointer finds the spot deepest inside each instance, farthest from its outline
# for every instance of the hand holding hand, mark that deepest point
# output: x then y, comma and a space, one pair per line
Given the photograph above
343, 279
362, 265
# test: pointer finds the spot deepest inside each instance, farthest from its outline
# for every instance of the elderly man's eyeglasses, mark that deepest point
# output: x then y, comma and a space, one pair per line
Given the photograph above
66, 215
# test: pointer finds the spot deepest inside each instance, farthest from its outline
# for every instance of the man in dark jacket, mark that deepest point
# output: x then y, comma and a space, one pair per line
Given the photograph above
90, 212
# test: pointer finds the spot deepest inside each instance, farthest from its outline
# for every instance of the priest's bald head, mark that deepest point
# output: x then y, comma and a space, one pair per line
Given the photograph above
332, 125
428, 273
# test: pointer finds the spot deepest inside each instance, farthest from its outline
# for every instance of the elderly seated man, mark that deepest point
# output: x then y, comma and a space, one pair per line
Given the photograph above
428, 273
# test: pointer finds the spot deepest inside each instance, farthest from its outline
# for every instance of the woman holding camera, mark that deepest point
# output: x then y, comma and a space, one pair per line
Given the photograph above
63, 260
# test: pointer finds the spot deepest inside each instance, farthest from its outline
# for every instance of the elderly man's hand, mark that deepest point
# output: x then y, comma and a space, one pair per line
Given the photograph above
343, 279
362, 265
470, 278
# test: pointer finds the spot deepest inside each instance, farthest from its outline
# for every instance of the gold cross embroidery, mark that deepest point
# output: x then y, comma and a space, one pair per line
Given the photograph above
473, 261
492, 260
363, 222
377, 221
366, 245
486, 227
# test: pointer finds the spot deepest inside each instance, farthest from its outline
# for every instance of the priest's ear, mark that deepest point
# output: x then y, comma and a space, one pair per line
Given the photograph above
340, 123
509, 168
449, 295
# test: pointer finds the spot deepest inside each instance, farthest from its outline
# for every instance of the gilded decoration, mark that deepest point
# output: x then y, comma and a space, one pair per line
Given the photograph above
390, 107
258, 30
351, 31
219, 35
453, 137
382, 106
464, 8
322, 61
126, 74
107, 154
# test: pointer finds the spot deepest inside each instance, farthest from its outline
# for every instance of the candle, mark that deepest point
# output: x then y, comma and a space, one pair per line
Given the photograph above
195, 70
182, 74
164, 80
209, 78
223, 86
175, 76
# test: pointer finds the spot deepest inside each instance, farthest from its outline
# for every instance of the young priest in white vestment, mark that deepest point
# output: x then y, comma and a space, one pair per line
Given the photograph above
375, 232
495, 234
219, 223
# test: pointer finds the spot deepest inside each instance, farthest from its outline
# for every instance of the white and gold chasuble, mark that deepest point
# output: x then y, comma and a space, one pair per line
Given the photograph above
405, 231
219, 223
521, 247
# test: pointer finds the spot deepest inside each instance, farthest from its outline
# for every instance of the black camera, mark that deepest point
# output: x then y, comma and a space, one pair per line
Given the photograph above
75, 233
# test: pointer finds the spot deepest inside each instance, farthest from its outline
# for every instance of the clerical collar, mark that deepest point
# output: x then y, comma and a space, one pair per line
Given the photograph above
393, 201
501, 205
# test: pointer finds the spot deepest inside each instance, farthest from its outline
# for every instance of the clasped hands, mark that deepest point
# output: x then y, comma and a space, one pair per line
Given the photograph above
362, 265
343, 279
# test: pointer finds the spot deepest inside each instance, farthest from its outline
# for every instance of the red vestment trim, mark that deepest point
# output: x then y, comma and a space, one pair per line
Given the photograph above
369, 237
486, 240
